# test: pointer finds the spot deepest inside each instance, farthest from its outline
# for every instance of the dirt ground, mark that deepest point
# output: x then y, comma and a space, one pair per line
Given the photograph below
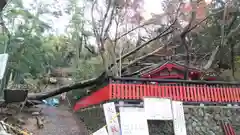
57, 121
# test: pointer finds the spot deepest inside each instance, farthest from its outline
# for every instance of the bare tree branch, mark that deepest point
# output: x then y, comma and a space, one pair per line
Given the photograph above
94, 24
105, 18
162, 34
183, 38
138, 71
140, 26
215, 51
212, 58
143, 45
149, 23
144, 56
99, 38
116, 32
197, 24
186, 29
110, 23
90, 50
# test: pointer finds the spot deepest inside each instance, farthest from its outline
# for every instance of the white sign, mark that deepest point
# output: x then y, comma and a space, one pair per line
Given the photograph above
133, 121
101, 131
158, 108
111, 118
3, 64
179, 123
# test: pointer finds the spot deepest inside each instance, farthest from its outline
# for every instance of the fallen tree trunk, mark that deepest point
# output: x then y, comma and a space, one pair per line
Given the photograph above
67, 88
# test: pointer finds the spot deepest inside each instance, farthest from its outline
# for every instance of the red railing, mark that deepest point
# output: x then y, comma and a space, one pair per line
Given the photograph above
95, 98
228, 129
182, 90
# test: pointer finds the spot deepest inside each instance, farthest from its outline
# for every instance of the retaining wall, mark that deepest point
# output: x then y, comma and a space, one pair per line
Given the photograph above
199, 120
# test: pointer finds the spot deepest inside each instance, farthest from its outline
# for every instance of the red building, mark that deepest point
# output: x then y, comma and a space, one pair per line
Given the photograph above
165, 80
173, 70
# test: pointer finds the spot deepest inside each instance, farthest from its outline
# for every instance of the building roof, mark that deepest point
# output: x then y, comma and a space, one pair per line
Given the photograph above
157, 67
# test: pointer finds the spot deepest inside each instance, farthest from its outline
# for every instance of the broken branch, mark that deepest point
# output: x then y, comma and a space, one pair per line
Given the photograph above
144, 56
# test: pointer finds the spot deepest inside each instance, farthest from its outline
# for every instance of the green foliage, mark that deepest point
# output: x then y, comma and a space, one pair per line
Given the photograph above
34, 52
238, 59
89, 68
237, 62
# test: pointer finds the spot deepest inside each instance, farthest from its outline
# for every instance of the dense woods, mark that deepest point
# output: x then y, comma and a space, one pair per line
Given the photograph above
105, 38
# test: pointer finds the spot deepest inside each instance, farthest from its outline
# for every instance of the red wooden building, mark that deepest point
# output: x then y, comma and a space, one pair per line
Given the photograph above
174, 70
166, 80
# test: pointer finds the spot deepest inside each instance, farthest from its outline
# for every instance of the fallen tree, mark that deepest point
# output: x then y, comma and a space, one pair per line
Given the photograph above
105, 75
79, 85
91, 82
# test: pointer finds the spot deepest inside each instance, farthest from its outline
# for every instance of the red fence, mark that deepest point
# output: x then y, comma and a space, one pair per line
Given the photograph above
181, 90
189, 91
228, 129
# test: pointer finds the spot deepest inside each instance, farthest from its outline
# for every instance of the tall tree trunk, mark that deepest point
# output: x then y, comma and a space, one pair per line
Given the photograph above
186, 73
232, 60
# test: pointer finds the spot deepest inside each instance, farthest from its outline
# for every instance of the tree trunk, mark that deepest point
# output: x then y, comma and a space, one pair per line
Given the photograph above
212, 58
80, 85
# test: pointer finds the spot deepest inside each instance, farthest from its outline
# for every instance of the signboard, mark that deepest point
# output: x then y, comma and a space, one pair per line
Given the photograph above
158, 108
133, 121
179, 123
111, 118
101, 131
3, 64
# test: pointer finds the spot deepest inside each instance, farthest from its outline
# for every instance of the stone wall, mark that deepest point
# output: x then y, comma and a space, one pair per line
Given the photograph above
207, 121
199, 121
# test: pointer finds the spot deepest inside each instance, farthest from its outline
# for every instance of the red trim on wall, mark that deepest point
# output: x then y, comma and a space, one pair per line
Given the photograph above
211, 79
176, 76
95, 98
